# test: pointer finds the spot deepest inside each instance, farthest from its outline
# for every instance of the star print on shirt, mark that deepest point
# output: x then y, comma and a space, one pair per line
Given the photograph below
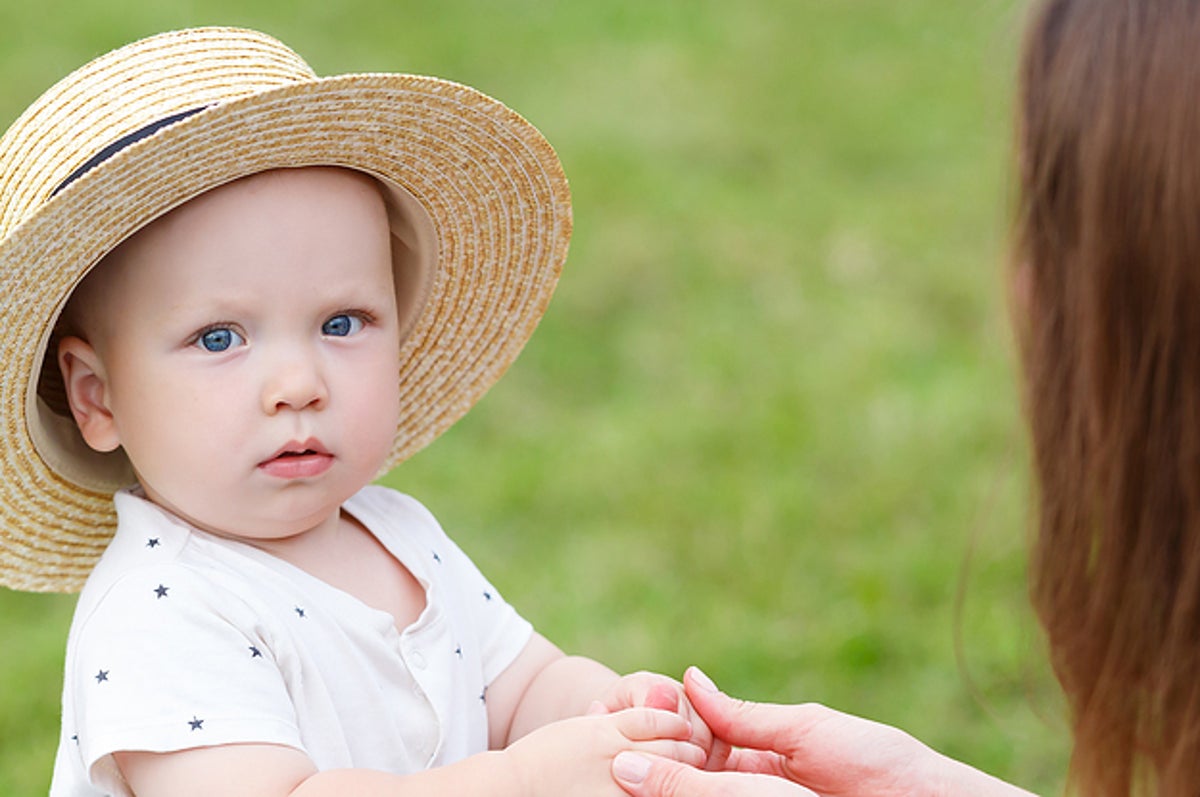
437, 558
197, 724
487, 596
152, 542
458, 651
299, 611
255, 653
102, 676
161, 591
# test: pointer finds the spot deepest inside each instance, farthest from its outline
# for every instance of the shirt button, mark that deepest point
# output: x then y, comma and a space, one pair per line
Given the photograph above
417, 659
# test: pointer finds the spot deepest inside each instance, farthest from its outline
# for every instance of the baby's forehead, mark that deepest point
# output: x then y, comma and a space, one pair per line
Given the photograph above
250, 220
267, 200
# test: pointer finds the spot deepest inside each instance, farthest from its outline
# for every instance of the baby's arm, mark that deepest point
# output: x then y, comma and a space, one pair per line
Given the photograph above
542, 685
571, 757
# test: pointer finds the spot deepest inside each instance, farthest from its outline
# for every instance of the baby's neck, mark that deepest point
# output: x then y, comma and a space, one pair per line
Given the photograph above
346, 555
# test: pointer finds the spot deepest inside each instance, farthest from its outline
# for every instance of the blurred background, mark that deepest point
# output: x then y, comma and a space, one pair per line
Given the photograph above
770, 424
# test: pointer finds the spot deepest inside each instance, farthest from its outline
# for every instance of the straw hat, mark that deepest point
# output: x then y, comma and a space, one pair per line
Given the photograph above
480, 216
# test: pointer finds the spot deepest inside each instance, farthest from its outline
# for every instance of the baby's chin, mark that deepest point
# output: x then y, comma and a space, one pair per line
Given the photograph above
265, 525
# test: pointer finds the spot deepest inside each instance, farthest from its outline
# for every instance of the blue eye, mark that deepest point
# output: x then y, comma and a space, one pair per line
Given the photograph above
341, 325
219, 339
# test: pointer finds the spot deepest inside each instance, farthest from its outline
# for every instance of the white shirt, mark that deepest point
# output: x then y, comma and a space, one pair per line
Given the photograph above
183, 639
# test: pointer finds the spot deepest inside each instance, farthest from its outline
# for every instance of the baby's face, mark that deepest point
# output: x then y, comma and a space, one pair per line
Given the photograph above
250, 350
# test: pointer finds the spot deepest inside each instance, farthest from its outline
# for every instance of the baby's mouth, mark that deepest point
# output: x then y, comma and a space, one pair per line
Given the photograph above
298, 460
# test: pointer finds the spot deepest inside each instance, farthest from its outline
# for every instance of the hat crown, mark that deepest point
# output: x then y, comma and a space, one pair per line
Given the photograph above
123, 92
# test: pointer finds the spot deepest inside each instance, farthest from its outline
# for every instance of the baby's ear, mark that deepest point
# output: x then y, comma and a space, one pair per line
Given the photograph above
87, 392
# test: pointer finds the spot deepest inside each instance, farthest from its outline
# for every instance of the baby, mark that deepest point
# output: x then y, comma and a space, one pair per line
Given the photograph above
260, 299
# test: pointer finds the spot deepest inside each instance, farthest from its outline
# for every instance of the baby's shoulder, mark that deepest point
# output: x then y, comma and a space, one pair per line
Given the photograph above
156, 562
377, 495
143, 590
382, 508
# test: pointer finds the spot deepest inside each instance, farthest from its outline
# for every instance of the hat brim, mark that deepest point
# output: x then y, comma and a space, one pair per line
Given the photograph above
489, 182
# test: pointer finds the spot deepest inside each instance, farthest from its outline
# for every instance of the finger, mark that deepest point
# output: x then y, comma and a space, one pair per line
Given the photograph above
718, 756
645, 776
743, 759
761, 726
596, 708
642, 724
664, 696
684, 753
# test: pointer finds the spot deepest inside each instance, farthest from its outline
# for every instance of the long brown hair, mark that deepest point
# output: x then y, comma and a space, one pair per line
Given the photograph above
1107, 268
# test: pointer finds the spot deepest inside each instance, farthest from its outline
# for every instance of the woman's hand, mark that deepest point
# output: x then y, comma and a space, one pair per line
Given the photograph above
807, 749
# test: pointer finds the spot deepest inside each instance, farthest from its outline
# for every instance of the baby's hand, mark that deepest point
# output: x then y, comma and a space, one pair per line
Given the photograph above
652, 690
574, 756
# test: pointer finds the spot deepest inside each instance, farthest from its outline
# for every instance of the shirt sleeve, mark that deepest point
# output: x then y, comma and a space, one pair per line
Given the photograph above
166, 661
501, 632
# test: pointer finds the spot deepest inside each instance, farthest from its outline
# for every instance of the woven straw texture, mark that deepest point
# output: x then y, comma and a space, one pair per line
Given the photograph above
491, 185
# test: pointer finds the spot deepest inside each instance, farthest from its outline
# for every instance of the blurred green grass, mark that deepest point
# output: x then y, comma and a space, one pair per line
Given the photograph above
769, 424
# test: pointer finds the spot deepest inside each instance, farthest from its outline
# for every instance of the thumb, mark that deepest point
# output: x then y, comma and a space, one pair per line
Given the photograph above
651, 776
758, 726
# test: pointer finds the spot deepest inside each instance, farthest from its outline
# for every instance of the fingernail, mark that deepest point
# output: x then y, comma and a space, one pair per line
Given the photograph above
630, 767
703, 681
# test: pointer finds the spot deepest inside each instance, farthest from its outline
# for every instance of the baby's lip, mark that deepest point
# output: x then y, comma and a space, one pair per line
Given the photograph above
310, 447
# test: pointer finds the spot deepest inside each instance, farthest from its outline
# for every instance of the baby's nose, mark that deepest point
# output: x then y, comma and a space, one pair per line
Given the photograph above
295, 385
